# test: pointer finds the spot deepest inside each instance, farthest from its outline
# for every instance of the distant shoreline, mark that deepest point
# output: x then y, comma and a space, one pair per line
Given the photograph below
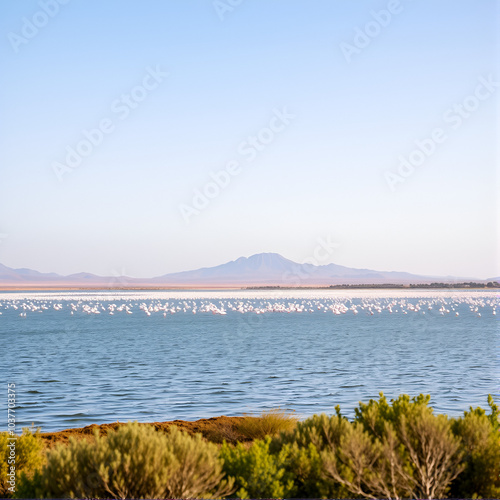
388, 286
15, 288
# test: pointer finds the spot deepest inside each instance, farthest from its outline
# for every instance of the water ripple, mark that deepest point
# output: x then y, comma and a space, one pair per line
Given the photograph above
74, 370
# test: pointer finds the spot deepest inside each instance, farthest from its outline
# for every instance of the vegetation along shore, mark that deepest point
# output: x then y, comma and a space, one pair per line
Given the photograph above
391, 449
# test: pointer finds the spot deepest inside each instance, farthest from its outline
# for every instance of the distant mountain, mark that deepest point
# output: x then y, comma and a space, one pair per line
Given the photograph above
274, 269
7, 274
264, 269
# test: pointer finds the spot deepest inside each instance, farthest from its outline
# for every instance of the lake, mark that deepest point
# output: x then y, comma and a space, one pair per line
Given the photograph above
79, 358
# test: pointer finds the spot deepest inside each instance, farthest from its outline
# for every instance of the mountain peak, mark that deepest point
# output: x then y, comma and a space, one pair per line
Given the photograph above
268, 257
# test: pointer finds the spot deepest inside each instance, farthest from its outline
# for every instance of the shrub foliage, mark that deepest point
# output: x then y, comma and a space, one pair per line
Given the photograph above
258, 473
133, 462
392, 449
28, 458
479, 436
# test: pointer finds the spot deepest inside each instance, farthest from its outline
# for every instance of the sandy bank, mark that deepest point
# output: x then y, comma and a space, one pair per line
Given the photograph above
214, 429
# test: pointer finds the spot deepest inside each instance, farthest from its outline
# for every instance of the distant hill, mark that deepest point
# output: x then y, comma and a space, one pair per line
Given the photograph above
274, 269
264, 269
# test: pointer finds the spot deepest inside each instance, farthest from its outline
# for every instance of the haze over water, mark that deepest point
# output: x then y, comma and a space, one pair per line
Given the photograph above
92, 357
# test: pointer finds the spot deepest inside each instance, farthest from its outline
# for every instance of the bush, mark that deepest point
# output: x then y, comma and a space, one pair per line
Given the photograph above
197, 471
418, 454
479, 436
305, 465
257, 472
269, 423
374, 415
433, 450
396, 449
28, 457
320, 430
304, 446
359, 464
133, 462
391, 450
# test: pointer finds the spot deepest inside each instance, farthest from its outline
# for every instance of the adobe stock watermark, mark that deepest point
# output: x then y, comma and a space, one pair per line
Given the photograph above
323, 250
10, 469
223, 7
121, 108
364, 36
31, 26
248, 150
119, 279
454, 118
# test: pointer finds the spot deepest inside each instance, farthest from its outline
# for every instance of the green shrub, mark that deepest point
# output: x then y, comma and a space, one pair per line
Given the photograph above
198, 471
414, 451
434, 452
28, 457
305, 465
374, 415
269, 423
392, 450
257, 472
358, 463
132, 462
320, 430
479, 436
396, 449
304, 446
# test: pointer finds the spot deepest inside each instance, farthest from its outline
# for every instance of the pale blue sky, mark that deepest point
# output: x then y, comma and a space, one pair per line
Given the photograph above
322, 175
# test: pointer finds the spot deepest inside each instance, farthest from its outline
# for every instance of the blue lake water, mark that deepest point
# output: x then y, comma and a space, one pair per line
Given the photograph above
74, 363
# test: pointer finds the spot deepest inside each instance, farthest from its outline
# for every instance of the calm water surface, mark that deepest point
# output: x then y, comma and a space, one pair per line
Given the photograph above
73, 367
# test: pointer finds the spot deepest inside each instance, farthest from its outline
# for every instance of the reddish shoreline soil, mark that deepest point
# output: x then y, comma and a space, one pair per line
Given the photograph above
214, 429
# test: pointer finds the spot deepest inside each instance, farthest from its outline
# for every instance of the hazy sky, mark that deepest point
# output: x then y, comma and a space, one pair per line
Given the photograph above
118, 114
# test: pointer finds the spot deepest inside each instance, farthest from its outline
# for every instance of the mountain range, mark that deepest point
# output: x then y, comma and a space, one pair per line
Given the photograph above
263, 269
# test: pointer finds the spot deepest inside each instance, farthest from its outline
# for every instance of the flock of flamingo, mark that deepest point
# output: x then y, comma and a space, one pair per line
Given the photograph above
477, 305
